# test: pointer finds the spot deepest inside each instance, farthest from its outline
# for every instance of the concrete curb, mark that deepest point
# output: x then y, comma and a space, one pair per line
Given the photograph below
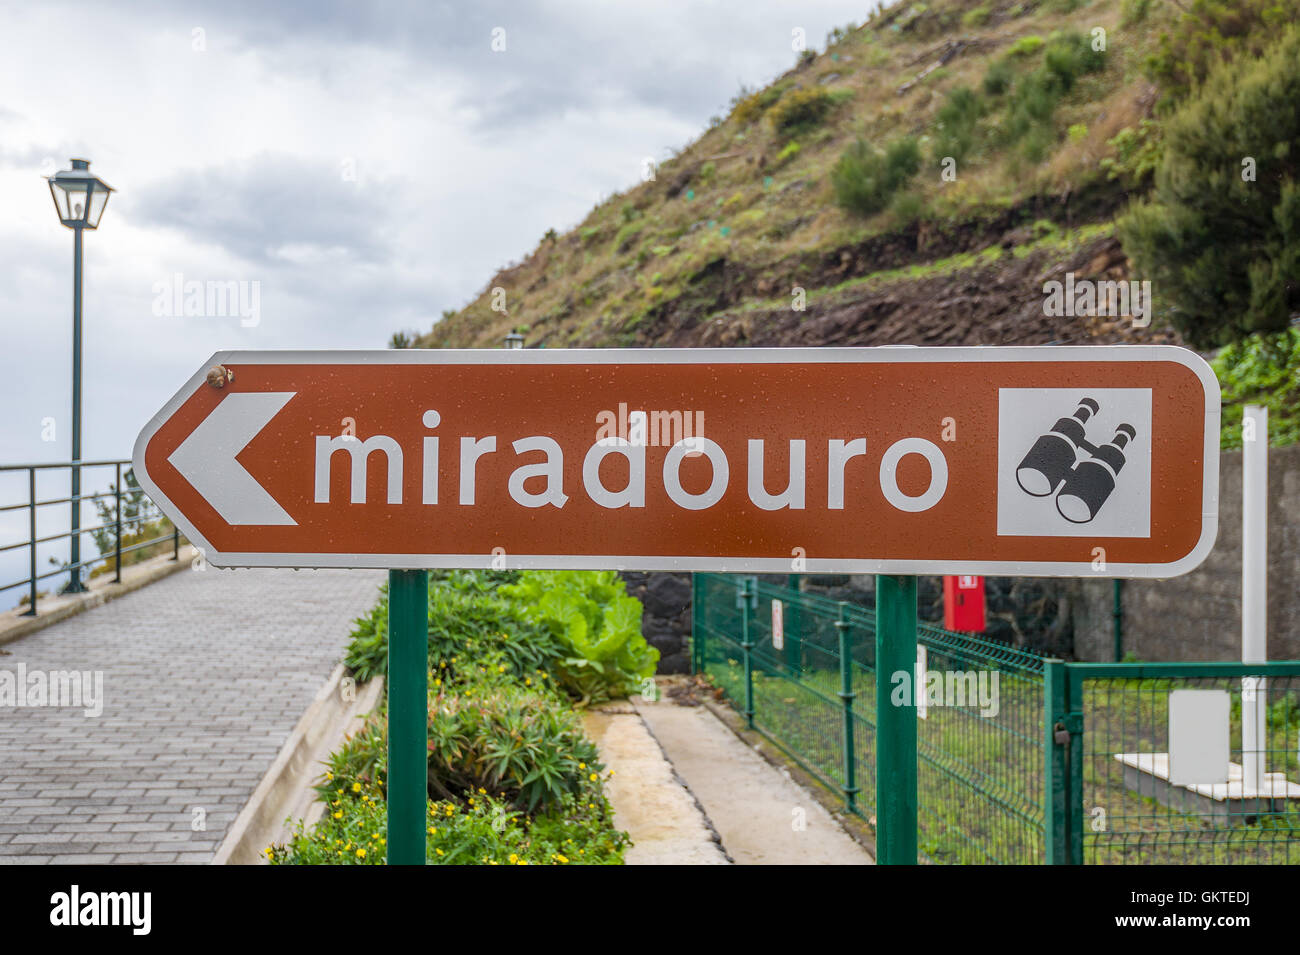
14, 626
286, 789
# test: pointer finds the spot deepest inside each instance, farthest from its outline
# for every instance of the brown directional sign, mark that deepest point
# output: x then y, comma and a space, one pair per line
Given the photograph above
1050, 461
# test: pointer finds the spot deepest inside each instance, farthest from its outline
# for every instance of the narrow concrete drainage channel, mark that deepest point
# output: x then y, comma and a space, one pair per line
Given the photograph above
689, 791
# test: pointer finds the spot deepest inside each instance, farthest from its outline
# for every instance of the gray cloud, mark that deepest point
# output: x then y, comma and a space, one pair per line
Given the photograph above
262, 208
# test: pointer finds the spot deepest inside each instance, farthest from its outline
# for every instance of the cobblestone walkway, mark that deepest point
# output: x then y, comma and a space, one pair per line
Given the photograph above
205, 674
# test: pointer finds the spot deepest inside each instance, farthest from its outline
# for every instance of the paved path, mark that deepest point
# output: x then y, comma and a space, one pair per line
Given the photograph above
763, 816
666, 825
205, 673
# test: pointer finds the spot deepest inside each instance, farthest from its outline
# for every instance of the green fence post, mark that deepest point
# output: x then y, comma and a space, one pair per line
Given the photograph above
697, 632
895, 725
794, 626
847, 696
1074, 753
746, 597
1117, 612
1056, 789
408, 714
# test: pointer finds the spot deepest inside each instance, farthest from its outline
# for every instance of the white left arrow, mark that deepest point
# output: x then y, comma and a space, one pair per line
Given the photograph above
207, 458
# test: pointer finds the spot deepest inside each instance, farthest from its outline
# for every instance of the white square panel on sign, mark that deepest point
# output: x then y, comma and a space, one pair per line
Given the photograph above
1198, 737
1074, 462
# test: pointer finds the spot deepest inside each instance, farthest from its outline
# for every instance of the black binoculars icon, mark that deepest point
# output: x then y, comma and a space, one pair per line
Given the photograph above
1052, 465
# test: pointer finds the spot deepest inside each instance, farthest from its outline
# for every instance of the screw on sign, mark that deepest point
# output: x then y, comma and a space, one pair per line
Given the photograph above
894, 461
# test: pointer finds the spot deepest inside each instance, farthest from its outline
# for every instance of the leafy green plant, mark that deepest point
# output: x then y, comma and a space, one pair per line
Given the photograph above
864, 179
597, 625
1262, 370
1137, 154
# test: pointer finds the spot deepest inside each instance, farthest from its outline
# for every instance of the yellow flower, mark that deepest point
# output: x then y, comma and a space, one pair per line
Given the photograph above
269, 853
561, 859
528, 681
439, 851
513, 858
501, 668
356, 787
482, 791
433, 830
361, 853
339, 814
522, 862
593, 777
582, 765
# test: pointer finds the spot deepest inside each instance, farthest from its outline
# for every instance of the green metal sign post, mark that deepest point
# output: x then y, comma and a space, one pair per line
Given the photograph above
408, 714
895, 725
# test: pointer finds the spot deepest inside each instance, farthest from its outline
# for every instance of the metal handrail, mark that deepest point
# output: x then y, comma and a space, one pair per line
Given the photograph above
148, 512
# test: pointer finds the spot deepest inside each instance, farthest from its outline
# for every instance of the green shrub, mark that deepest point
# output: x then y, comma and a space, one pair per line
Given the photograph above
801, 110
467, 623
355, 829
522, 744
597, 625
1069, 56
864, 180
788, 153
957, 120
1211, 32
623, 238
999, 77
1220, 247
1133, 12
907, 207
748, 107
1034, 98
1026, 46
976, 16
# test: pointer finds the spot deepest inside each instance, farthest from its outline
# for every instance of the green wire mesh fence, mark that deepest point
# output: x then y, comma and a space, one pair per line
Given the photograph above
1020, 759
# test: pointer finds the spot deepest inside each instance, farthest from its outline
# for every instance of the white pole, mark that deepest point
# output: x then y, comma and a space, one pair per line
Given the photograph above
1254, 591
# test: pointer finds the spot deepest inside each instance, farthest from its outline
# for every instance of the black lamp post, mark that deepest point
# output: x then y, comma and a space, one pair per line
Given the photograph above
514, 340
79, 199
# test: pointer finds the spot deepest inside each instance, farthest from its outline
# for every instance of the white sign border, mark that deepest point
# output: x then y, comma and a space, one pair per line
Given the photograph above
775, 565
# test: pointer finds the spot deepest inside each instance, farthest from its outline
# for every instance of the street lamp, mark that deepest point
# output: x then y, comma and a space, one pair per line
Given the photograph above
514, 340
79, 199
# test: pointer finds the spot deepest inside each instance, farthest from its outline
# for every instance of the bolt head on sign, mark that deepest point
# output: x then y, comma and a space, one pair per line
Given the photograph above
1007, 461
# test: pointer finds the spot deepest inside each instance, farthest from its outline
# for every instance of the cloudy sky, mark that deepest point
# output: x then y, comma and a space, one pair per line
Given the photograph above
367, 163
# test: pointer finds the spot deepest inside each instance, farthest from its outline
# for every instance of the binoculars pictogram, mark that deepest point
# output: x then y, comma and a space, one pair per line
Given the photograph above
1052, 465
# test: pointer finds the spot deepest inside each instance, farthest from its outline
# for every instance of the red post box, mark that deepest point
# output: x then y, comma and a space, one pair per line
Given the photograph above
963, 604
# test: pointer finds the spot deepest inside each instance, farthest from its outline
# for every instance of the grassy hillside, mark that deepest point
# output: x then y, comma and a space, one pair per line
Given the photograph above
917, 181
